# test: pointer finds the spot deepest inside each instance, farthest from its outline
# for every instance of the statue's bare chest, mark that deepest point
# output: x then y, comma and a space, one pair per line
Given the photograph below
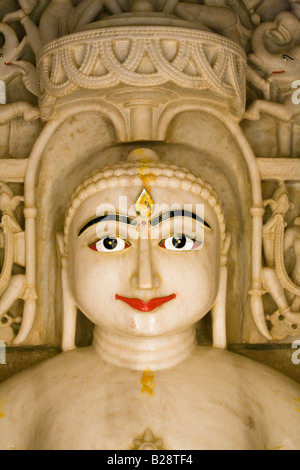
133, 414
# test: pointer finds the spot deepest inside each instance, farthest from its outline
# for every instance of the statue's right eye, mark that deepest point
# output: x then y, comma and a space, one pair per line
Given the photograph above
110, 245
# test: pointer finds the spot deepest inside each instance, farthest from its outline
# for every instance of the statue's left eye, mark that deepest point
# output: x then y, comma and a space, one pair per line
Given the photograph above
110, 245
180, 243
286, 57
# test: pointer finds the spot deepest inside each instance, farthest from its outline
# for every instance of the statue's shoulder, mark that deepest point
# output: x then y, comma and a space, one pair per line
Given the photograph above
247, 370
48, 378
23, 397
266, 393
57, 368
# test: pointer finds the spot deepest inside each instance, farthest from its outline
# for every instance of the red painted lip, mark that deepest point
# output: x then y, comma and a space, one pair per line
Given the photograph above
142, 306
280, 71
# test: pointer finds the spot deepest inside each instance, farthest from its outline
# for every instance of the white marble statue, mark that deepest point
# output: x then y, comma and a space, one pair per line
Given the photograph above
173, 223
145, 274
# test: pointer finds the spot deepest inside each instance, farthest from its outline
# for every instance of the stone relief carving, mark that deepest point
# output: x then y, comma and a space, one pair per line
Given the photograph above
278, 241
58, 19
12, 243
273, 68
227, 17
275, 53
10, 67
148, 442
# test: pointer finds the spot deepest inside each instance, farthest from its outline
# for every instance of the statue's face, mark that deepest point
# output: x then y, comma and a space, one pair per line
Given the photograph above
151, 279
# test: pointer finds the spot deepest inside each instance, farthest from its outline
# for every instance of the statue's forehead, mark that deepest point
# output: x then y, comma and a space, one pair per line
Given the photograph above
123, 200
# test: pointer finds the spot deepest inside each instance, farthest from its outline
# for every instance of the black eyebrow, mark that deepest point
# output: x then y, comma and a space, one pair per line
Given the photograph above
179, 213
286, 55
108, 218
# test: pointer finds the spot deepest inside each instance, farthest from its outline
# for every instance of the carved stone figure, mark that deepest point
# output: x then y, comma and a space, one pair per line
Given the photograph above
11, 287
59, 18
11, 67
140, 326
279, 67
273, 70
216, 16
295, 4
277, 243
9, 53
292, 241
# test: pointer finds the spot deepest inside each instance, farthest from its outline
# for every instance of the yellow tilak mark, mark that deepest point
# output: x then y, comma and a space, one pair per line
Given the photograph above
145, 174
147, 382
144, 204
146, 177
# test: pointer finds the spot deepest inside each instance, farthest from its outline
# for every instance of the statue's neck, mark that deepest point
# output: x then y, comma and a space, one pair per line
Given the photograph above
144, 353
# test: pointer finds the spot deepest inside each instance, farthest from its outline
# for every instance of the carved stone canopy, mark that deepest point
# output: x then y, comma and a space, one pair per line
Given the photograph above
181, 60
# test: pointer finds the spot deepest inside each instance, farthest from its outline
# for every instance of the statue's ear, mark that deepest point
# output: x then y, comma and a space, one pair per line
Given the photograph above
219, 308
69, 305
227, 245
60, 245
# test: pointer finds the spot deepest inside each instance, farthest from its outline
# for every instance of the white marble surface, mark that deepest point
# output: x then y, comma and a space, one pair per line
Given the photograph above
212, 400
84, 87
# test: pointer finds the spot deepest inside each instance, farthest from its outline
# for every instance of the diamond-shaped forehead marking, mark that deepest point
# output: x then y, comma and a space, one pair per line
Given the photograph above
144, 204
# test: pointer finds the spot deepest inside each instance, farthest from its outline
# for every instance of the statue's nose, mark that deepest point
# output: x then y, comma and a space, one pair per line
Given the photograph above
145, 277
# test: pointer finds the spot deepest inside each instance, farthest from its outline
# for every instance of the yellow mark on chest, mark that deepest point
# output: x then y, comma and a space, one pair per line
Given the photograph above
147, 382
1, 412
276, 448
297, 401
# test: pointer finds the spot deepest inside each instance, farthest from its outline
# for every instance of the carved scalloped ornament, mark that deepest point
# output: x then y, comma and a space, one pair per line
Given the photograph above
142, 56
